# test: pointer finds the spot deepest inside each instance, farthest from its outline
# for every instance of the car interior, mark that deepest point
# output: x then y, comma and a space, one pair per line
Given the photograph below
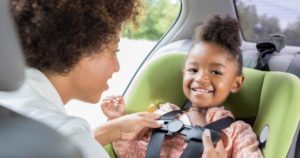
268, 100
23, 137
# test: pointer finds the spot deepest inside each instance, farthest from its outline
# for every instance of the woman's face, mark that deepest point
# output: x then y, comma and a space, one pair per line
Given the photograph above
90, 75
209, 75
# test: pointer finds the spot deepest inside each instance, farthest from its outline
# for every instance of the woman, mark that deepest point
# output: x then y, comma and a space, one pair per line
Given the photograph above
70, 48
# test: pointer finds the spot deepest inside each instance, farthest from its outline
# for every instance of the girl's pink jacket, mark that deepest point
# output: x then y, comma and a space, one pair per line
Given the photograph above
241, 140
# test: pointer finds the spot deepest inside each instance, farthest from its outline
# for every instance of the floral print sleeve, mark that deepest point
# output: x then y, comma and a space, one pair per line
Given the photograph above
241, 140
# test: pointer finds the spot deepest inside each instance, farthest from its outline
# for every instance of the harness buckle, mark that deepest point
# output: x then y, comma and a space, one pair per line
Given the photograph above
172, 126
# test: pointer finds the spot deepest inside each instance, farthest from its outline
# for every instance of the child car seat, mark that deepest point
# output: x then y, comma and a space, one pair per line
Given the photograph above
271, 98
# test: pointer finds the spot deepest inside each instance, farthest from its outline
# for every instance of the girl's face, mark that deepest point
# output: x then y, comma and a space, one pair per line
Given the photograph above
209, 75
90, 75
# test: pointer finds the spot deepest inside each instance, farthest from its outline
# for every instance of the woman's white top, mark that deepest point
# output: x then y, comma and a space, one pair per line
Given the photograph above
38, 99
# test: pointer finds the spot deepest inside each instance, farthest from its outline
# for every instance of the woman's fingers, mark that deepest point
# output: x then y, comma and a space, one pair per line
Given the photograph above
206, 139
149, 115
150, 120
209, 150
221, 150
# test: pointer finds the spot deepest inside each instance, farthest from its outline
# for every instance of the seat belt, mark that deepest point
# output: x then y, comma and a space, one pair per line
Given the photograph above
275, 44
263, 60
193, 135
266, 49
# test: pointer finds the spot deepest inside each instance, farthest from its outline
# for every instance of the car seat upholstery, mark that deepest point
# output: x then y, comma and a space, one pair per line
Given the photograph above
270, 97
22, 137
11, 61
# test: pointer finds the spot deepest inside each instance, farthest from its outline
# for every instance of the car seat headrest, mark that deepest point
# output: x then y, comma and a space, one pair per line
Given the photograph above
11, 59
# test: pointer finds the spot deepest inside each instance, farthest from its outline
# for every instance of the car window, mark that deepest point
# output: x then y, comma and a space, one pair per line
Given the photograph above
135, 44
260, 18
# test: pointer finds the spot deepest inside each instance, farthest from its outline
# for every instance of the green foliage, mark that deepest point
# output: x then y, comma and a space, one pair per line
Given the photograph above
159, 17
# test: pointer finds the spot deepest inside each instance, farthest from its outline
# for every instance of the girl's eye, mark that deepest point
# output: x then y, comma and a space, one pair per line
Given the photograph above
216, 72
192, 70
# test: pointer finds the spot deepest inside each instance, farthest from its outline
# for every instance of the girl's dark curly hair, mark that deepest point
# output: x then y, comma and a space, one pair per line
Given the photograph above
224, 32
55, 34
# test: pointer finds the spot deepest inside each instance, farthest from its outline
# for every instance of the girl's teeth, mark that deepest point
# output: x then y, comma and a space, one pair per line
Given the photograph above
202, 90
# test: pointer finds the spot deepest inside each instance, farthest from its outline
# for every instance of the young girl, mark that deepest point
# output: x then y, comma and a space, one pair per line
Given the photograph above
212, 70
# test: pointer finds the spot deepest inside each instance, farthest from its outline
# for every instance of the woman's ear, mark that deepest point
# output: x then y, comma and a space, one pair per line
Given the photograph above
237, 85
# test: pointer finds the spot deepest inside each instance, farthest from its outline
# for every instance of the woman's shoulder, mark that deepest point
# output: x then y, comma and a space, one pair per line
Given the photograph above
71, 125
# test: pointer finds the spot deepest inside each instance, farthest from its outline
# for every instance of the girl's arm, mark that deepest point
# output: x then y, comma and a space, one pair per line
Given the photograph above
245, 143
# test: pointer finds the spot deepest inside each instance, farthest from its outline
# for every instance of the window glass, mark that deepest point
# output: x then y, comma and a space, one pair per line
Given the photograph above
260, 18
135, 44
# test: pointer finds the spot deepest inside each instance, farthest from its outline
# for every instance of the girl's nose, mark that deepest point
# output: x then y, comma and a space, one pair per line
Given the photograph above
201, 77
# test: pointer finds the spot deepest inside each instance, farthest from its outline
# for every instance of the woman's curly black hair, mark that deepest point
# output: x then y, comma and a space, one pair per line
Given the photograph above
55, 34
224, 32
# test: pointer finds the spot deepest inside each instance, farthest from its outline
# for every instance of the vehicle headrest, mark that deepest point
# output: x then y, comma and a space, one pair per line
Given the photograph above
11, 59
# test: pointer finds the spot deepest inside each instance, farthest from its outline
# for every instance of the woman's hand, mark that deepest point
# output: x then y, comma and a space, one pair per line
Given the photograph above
128, 127
113, 107
209, 150
134, 126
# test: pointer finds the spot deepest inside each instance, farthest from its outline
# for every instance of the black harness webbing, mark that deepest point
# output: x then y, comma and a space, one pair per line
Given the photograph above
193, 135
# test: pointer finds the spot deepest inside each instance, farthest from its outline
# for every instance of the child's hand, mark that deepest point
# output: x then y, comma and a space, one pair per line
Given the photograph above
113, 107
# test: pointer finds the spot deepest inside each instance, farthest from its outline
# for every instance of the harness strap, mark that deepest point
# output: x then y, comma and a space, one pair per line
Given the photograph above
220, 124
158, 136
170, 115
194, 147
155, 144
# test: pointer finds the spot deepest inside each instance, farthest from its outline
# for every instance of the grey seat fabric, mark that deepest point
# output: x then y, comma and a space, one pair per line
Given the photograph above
294, 151
278, 62
294, 67
11, 62
20, 136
